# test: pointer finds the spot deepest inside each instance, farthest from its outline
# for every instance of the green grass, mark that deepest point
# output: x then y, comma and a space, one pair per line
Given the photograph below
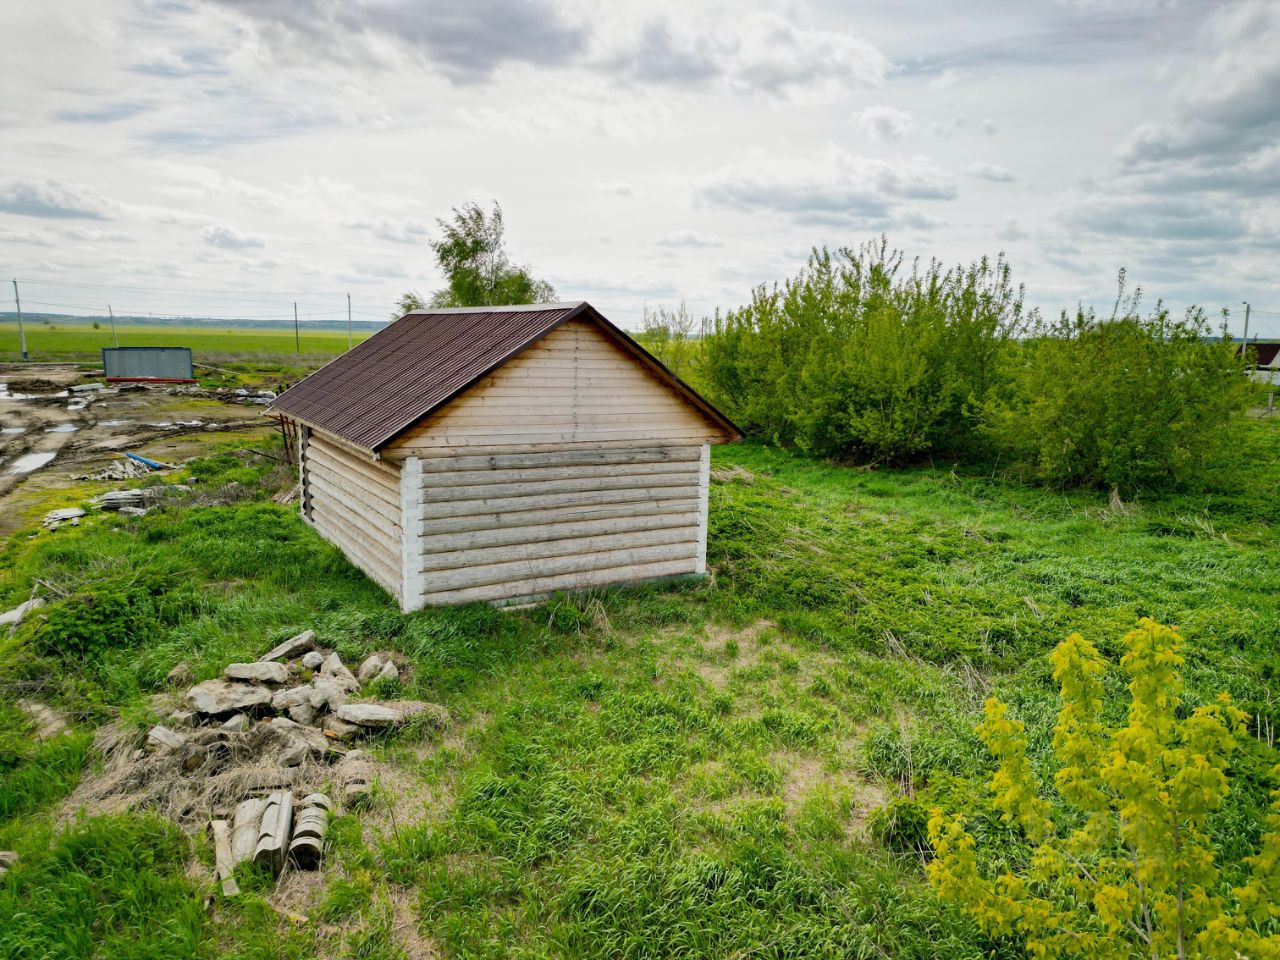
694, 770
67, 341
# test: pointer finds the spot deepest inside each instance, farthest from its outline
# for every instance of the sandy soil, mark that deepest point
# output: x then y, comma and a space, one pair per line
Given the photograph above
51, 433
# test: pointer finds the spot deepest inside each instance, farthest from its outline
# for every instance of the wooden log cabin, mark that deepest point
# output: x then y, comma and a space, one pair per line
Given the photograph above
504, 454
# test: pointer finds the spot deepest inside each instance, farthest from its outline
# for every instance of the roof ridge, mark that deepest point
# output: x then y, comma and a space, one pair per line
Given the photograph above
506, 308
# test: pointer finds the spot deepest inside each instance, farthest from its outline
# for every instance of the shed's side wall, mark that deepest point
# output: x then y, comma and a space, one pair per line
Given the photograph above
355, 504
518, 526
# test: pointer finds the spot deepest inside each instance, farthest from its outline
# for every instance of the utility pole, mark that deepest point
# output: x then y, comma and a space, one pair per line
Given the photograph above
113, 325
1246, 320
22, 334
297, 341
348, 321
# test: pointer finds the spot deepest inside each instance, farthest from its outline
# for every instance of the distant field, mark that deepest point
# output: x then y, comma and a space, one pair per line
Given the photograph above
209, 344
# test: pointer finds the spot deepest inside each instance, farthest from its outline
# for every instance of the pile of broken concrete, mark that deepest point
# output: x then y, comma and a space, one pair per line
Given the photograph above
241, 748
307, 691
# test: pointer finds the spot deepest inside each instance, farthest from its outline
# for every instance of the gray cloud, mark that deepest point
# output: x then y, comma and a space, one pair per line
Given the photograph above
990, 171
107, 113
54, 199
403, 230
467, 42
1223, 125
883, 123
831, 188
689, 238
229, 238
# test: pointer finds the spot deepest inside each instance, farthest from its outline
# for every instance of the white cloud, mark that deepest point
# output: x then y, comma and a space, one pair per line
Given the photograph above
947, 79
96, 236
26, 237
990, 171
229, 238
620, 188
689, 238
54, 199
884, 123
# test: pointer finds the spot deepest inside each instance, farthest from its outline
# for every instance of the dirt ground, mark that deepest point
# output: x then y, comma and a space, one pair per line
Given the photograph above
51, 433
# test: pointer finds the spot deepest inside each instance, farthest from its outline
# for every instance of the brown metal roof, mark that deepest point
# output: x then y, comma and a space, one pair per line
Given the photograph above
417, 364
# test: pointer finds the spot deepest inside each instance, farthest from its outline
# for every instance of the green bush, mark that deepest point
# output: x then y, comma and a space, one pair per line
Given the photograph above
110, 614
858, 358
1123, 402
900, 825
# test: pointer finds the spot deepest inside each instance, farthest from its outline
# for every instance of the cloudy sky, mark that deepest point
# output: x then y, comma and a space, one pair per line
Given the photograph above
229, 156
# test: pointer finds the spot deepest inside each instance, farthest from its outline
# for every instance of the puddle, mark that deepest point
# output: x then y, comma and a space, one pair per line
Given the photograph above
31, 461
6, 395
114, 423
62, 428
12, 430
173, 425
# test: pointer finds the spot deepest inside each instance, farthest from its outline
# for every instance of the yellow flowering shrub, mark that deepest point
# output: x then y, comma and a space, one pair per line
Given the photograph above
1135, 875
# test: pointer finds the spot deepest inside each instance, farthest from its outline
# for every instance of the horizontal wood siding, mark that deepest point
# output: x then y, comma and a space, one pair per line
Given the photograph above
354, 503
574, 386
518, 525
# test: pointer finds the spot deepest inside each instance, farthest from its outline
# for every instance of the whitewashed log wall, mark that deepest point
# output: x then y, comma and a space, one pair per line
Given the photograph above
354, 503
518, 526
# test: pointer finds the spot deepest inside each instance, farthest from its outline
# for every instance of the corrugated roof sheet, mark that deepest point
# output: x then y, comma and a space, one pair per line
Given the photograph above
415, 365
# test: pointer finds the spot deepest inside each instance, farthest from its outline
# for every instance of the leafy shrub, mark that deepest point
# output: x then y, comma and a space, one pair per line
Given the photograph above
900, 825
1124, 401
857, 358
1131, 868
110, 614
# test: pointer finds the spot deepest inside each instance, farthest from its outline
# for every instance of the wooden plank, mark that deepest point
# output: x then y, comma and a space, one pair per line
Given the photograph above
591, 498
471, 478
568, 581
565, 418
512, 436
535, 485
373, 559
605, 511
343, 501
519, 571
515, 458
411, 546
548, 533
356, 489
535, 550
382, 475
704, 497
445, 454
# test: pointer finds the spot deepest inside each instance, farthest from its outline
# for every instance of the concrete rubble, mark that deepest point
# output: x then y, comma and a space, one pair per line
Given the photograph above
259, 672
63, 517
11, 618
303, 643
259, 735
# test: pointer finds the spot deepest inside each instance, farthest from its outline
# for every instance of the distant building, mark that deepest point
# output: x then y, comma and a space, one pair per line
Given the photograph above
1266, 354
503, 454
